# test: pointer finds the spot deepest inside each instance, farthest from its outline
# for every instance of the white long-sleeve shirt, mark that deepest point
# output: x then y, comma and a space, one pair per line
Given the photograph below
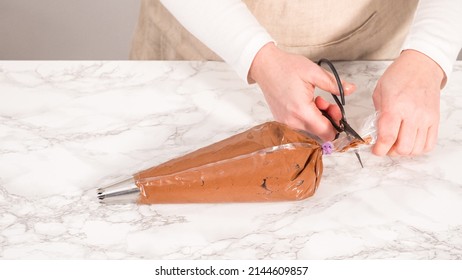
436, 30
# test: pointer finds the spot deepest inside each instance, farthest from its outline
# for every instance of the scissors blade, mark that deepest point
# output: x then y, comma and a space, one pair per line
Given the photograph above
349, 130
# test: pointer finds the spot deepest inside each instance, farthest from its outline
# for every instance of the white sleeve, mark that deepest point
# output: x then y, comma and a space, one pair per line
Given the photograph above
437, 31
226, 26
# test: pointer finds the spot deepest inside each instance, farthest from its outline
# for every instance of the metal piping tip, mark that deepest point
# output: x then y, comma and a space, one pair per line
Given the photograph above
359, 158
125, 191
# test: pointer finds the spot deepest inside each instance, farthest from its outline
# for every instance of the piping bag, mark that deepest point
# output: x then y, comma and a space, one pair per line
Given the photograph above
268, 162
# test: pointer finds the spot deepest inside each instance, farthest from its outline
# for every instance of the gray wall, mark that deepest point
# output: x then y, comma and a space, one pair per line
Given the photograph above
67, 29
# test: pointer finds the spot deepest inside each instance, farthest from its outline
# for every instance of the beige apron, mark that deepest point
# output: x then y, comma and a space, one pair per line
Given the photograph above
338, 30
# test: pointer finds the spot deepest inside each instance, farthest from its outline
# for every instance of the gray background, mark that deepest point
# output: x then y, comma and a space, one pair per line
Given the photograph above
68, 29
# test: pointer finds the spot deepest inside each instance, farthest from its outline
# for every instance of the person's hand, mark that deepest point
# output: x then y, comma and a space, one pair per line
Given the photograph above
288, 82
407, 98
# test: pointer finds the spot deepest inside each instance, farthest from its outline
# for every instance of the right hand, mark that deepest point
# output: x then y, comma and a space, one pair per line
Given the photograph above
288, 82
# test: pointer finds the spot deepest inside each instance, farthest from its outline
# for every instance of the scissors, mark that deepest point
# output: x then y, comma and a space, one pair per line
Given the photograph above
343, 125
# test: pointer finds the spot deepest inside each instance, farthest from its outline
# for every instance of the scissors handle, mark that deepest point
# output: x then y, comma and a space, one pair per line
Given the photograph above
337, 79
343, 125
332, 121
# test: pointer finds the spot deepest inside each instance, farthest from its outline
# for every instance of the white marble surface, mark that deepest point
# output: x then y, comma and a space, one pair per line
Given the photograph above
67, 128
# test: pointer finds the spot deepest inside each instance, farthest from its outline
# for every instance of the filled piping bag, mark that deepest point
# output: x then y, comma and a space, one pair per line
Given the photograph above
268, 162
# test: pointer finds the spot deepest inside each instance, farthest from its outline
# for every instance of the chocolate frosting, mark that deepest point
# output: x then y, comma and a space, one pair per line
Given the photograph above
269, 162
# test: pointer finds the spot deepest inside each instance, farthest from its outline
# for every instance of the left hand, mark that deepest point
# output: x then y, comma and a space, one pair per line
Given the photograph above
408, 99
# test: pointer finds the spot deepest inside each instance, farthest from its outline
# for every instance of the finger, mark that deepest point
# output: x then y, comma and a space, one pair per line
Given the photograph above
419, 143
392, 152
327, 82
348, 88
332, 109
388, 126
432, 136
317, 124
406, 139
377, 98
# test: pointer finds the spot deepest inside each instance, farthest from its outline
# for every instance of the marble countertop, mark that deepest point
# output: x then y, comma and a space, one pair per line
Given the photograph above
67, 128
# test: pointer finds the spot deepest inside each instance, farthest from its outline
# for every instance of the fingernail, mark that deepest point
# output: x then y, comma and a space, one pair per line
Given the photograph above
379, 150
349, 86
